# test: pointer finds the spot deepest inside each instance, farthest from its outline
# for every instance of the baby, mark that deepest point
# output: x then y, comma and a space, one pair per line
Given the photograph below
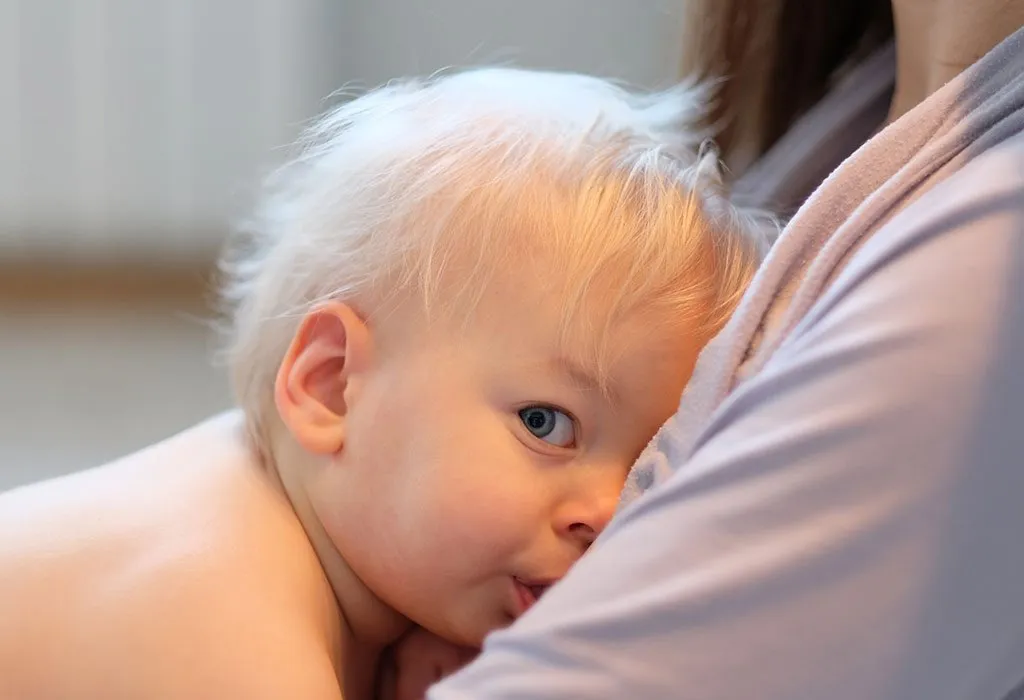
464, 309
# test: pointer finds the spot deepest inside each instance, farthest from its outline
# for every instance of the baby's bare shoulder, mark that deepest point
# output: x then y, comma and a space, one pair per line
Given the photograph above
214, 632
176, 572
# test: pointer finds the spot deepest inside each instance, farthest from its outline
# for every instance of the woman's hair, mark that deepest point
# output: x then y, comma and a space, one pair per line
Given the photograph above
774, 59
424, 188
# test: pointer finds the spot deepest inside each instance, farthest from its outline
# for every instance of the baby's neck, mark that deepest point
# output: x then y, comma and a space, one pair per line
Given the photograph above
368, 624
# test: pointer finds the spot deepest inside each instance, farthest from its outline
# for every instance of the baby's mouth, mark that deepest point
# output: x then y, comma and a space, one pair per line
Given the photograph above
529, 592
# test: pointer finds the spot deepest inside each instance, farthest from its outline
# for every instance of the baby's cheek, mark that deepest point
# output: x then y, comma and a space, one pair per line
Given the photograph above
492, 514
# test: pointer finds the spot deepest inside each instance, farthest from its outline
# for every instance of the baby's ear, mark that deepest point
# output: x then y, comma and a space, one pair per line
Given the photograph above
330, 347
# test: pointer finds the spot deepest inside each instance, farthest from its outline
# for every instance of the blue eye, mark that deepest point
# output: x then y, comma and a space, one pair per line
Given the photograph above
550, 425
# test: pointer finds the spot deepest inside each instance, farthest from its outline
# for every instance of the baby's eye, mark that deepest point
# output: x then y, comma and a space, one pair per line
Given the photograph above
550, 425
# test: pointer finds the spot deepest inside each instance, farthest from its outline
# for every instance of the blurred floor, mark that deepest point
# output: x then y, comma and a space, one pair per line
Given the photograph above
95, 364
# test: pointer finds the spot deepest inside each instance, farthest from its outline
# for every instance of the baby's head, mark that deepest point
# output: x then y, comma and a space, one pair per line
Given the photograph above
466, 307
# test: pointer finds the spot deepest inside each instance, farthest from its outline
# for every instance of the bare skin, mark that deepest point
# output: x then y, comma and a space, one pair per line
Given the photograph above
162, 576
418, 661
938, 39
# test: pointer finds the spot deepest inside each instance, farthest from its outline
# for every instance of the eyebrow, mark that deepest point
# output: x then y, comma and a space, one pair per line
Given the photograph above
583, 377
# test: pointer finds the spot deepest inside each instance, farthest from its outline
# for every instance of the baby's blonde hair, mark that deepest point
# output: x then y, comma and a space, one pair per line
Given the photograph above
424, 184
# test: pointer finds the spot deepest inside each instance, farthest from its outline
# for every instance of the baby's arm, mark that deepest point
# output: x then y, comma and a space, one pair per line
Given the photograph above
416, 661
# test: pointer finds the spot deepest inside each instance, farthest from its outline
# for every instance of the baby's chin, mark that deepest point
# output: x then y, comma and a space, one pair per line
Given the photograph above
468, 636
467, 633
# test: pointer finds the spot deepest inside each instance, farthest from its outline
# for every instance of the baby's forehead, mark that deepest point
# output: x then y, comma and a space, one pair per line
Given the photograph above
619, 365
583, 332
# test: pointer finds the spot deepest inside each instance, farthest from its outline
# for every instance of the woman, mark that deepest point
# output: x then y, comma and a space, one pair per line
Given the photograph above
836, 510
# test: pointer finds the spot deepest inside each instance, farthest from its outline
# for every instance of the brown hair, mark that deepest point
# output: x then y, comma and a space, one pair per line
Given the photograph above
775, 59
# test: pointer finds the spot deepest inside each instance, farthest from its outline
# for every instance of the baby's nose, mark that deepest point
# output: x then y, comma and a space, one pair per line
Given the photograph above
584, 519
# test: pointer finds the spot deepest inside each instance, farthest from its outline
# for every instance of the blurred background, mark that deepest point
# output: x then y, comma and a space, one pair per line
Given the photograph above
134, 132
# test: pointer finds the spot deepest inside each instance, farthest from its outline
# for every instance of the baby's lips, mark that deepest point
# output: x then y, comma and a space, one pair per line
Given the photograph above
531, 590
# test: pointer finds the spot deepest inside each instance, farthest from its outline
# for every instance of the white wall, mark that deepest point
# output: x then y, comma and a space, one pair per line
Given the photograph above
141, 125
82, 386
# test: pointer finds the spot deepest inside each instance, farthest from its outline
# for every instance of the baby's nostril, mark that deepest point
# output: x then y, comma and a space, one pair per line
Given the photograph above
584, 533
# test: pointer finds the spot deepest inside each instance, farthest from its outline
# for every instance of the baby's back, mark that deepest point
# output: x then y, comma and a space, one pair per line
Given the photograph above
167, 574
